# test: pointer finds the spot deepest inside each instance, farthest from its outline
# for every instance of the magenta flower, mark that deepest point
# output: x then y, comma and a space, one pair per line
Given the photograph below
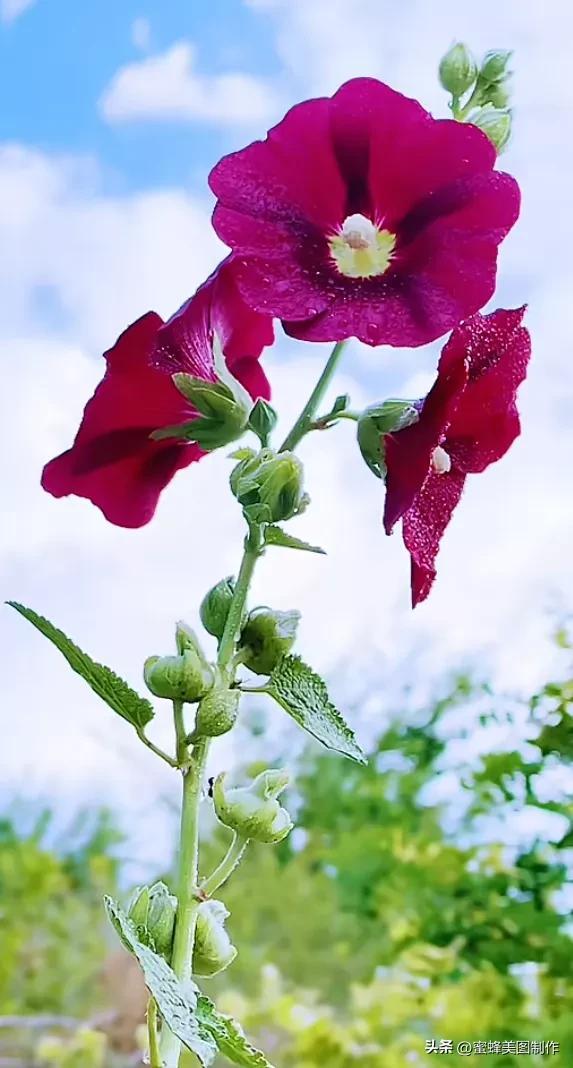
361, 215
114, 462
468, 421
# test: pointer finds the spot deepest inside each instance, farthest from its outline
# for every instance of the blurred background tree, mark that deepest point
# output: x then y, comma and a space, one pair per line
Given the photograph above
424, 896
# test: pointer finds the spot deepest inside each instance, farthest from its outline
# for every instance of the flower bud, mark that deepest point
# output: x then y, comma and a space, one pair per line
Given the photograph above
217, 713
266, 637
253, 811
186, 677
213, 950
498, 95
458, 70
139, 907
495, 123
161, 918
269, 486
215, 606
378, 420
494, 67
262, 420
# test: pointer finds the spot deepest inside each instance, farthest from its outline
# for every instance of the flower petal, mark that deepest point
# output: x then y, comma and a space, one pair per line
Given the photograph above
113, 462
409, 452
486, 421
424, 525
185, 342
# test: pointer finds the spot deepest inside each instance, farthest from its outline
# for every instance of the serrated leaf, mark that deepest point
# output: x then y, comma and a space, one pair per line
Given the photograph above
114, 691
176, 1002
303, 694
229, 1036
277, 536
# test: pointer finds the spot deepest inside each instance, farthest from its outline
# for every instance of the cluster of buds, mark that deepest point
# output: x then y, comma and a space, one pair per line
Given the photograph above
487, 104
269, 485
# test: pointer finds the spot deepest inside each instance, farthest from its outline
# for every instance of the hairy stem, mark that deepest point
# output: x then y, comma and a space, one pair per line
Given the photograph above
235, 616
181, 961
304, 421
154, 1054
226, 867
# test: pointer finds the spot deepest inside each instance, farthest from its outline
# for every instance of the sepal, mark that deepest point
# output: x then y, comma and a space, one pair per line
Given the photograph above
213, 950
253, 811
266, 637
376, 421
215, 606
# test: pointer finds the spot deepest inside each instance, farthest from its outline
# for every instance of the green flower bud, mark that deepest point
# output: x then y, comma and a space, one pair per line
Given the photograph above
495, 123
458, 70
253, 811
213, 950
217, 713
378, 420
186, 677
262, 420
215, 606
139, 907
266, 637
498, 95
269, 486
161, 918
494, 67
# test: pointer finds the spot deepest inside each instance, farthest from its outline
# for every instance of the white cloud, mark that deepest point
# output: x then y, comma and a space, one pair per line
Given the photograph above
10, 10
168, 86
141, 33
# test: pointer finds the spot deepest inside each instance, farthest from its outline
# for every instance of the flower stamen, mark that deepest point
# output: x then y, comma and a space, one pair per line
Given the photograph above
441, 461
361, 249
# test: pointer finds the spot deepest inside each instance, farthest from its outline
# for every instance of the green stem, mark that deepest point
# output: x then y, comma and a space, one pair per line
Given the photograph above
303, 423
188, 902
154, 1054
234, 619
180, 733
226, 867
193, 773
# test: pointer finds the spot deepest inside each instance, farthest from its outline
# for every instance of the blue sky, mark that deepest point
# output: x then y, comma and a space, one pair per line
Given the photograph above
112, 115
58, 56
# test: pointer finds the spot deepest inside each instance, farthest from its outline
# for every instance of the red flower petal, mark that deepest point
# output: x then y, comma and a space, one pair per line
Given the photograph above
114, 462
486, 421
424, 525
409, 452
371, 151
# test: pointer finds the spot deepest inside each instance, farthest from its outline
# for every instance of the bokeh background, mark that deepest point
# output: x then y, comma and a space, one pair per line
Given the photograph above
430, 899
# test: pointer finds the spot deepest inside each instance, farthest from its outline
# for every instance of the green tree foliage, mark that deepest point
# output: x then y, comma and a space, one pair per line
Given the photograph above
51, 916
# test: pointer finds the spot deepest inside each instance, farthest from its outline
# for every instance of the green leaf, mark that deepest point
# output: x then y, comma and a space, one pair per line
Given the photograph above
176, 1002
277, 536
303, 694
113, 690
229, 1036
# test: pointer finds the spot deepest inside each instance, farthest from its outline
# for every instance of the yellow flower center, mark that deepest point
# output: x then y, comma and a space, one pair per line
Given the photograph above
441, 461
360, 249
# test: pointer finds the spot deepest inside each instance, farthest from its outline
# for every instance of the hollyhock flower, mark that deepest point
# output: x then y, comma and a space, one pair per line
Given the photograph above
468, 421
114, 462
361, 215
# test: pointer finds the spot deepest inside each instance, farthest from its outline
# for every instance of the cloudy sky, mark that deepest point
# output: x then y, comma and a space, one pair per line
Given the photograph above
112, 116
